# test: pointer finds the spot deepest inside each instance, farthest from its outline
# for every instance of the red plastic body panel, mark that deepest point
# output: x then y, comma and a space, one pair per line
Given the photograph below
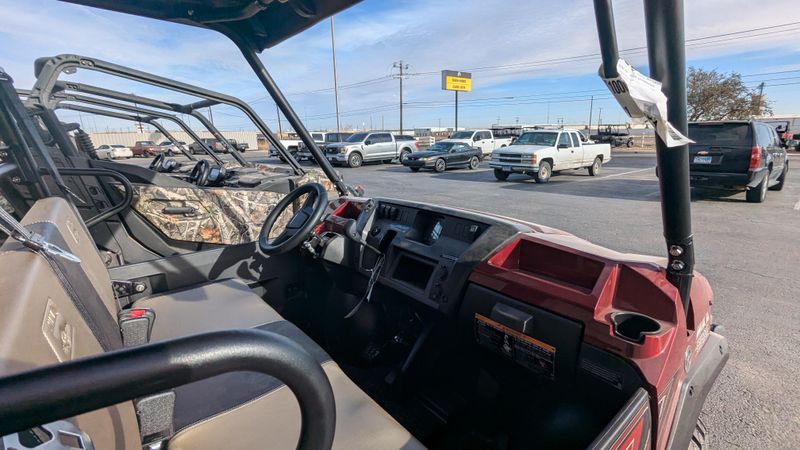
588, 284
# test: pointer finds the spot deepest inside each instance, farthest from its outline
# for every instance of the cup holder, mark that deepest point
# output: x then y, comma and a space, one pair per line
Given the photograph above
634, 326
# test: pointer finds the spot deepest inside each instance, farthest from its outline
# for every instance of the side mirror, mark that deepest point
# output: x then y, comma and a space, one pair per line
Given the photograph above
368, 142
476, 138
560, 146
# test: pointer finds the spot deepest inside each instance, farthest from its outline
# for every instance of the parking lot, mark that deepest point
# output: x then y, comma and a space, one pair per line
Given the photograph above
748, 251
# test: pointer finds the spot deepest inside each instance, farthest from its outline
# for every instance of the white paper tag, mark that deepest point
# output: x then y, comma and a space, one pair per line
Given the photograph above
641, 97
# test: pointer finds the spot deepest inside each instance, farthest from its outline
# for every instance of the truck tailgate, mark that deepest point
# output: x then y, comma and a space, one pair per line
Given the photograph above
719, 158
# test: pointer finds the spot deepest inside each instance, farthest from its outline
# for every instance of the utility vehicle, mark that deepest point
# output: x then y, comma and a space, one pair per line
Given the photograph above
348, 323
616, 135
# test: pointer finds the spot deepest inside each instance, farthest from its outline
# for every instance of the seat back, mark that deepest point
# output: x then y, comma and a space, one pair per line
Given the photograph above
40, 325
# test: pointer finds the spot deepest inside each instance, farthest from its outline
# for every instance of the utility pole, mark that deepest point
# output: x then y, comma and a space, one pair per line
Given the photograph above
280, 128
210, 116
600, 117
591, 108
382, 127
758, 105
403, 67
335, 79
370, 122
548, 113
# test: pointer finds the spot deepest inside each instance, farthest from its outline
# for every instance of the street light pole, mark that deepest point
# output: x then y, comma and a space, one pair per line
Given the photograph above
335, 78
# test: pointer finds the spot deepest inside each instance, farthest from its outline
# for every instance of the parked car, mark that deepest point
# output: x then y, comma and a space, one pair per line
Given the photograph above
215, 145
540, 153
170, 148
241, 146
444, 155
322, 139
292, 144
483, 139
737, 154
792, 144
116, 151
103, 152
368, 146
145, 148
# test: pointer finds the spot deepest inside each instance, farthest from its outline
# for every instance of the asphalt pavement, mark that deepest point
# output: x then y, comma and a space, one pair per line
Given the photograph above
749, 252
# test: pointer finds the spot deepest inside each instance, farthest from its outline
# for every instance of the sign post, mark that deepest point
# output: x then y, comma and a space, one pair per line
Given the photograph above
458, 82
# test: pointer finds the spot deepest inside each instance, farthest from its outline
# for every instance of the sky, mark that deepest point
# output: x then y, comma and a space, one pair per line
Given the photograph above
531, 63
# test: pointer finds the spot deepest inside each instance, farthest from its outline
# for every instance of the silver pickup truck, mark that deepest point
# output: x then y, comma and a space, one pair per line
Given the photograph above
369, 146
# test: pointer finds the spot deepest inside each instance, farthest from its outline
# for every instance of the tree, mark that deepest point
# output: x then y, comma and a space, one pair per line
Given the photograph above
716, 96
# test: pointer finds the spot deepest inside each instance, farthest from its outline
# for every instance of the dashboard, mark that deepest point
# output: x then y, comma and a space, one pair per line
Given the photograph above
427, 252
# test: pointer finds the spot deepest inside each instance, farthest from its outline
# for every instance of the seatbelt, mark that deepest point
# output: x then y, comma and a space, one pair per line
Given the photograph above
73, 279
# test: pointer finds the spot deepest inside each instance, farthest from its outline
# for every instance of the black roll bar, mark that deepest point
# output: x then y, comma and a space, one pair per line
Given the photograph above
75, 387
49, 69
136, 100
277, 96
666, 49
122, 116
134, 109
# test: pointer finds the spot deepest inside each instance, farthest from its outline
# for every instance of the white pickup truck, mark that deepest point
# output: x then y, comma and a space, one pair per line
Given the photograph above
542, 152
482, 139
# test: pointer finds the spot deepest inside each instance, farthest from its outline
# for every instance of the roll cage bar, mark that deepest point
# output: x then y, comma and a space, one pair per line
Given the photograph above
62, 87
122, 116
60, 98
48, 70
666, 50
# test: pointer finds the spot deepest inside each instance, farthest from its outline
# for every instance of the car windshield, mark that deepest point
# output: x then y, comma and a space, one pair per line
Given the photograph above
166, 143
441, 147
358, 137
537, 138
143, 143
720, 133
118, 146
462, 135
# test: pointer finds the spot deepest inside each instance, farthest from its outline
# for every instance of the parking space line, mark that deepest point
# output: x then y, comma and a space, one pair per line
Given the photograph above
616, 175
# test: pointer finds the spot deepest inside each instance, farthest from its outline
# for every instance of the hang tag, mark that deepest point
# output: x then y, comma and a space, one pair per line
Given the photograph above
641, 97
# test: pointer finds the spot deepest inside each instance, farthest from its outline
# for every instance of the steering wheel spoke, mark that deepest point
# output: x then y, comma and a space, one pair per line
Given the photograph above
300, 225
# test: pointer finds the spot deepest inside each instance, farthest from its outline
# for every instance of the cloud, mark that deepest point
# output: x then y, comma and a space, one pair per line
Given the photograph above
500, 41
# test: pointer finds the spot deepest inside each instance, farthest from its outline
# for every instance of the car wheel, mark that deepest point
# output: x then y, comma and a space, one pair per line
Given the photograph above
169, 152
473, 162
629, 143
414, 169
758, 193
403, 155
439, 165
354, 160
594, 169
500, 175
779, 185
543, 175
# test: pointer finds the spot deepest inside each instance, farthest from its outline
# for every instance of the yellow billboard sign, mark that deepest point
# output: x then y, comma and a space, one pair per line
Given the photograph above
456, 81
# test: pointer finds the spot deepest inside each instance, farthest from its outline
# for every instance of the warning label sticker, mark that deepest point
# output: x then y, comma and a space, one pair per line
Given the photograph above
528, 352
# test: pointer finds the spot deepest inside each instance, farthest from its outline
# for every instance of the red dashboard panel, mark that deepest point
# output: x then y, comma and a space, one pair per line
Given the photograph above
600, 291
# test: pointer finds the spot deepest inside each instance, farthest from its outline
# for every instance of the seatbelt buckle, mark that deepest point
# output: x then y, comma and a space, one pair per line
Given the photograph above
135, 325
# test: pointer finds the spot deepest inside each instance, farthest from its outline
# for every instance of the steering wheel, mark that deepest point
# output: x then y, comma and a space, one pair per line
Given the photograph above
199, 171
300, 225
158, 162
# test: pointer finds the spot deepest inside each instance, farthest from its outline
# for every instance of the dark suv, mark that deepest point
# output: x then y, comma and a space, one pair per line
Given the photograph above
742, 155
